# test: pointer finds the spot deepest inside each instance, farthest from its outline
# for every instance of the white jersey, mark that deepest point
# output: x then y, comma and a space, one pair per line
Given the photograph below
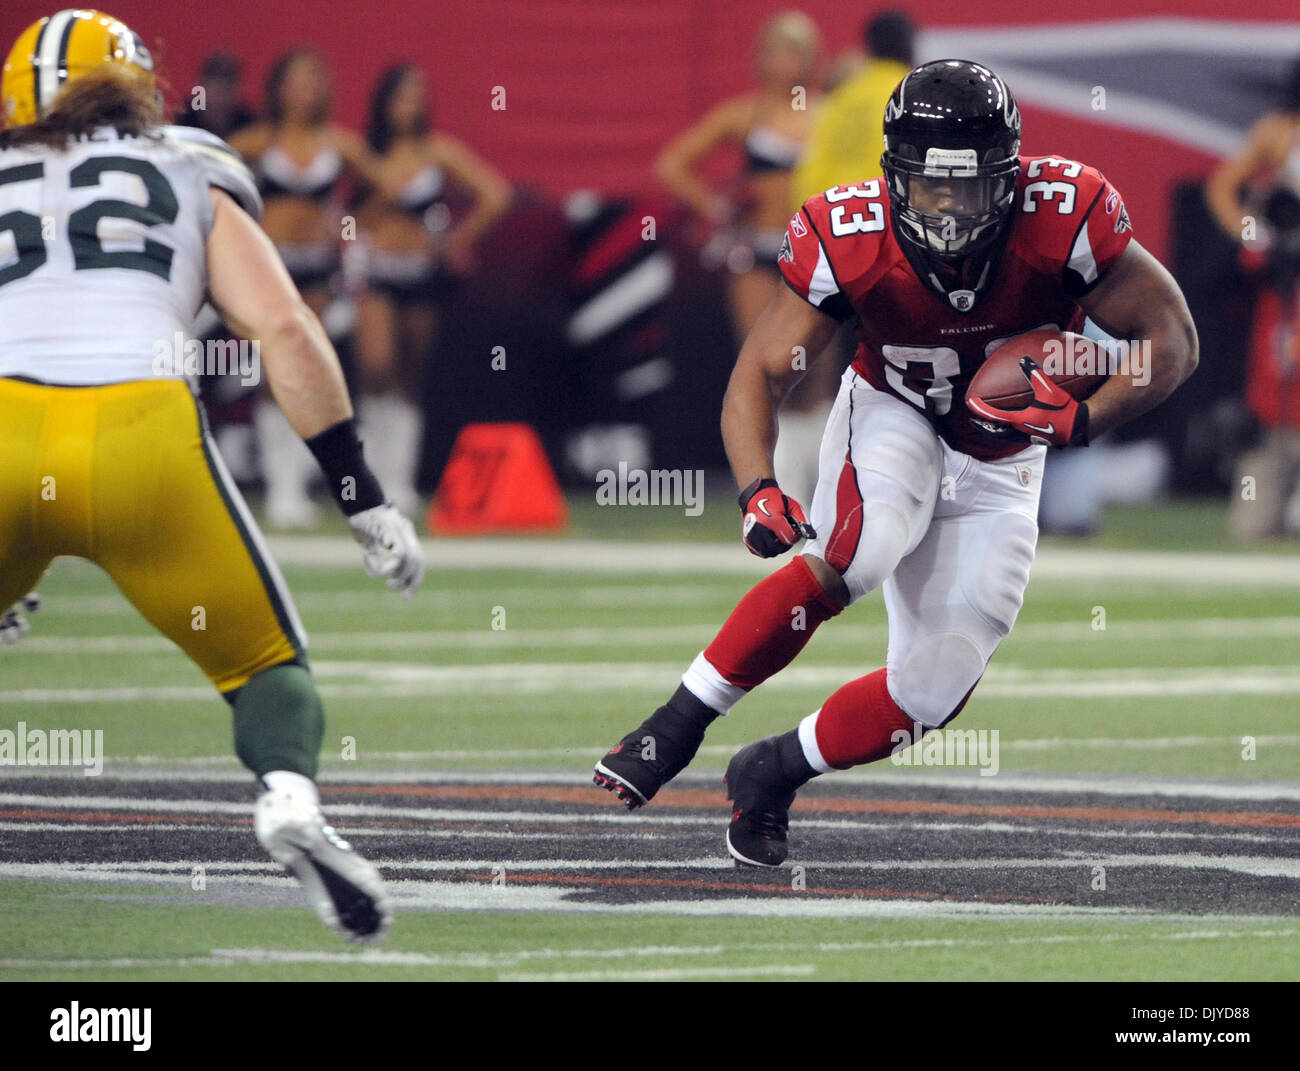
103, 250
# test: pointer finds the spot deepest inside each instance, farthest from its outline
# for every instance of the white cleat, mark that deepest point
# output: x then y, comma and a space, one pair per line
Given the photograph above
345, 889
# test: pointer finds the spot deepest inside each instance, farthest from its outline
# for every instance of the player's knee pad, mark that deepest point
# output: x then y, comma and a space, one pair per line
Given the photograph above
994, 583
932, 678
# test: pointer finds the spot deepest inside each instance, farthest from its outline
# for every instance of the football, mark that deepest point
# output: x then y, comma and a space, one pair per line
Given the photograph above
1075, 363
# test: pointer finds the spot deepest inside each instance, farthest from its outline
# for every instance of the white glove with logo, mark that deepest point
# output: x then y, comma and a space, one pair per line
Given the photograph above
391, 548
13, 623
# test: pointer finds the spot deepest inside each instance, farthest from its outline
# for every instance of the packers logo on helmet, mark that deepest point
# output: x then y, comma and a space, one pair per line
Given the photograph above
61, 48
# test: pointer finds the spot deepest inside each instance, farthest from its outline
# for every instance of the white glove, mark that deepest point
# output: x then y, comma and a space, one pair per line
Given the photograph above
13, 625
391, 547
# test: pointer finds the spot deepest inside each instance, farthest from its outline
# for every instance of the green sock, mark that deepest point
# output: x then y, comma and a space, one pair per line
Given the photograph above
279, 721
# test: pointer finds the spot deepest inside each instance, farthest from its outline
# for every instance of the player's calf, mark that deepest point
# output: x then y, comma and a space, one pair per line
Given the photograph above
768, 628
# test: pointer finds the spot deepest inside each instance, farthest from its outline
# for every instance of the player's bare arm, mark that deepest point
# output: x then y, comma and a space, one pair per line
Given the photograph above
765, 372
1139, 300
787, 340
251, 288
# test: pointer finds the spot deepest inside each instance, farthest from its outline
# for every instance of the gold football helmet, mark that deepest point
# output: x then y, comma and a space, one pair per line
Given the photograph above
59, 49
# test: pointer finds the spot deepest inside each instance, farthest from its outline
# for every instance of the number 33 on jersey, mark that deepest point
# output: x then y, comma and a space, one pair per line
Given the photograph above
1067, 227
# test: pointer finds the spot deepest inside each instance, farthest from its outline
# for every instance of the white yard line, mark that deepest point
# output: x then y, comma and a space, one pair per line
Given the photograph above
226, 957
628, 840
1256, 865
220, 767
850, 635
668, 974
165, 867
884, 775
1096, 565
434, 895
692, 592
375, 679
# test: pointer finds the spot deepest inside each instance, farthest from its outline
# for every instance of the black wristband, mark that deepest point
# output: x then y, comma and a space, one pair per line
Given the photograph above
753, 489
338, 452
1079, 433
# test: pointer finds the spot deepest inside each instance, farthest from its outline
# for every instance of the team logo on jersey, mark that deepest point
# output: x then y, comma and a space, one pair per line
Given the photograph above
1112, 201
787, 251
962, 300
1122, 224
796, 225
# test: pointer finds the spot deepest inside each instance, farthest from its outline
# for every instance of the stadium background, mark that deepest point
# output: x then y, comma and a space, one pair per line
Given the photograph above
594, 90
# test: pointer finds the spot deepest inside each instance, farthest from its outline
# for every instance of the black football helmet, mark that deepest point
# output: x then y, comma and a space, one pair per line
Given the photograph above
952, 139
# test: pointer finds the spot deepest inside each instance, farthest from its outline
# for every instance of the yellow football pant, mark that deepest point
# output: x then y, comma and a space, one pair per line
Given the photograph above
126, 476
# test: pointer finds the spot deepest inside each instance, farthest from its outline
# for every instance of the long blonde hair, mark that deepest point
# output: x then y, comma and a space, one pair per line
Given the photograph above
106, 97
795, 28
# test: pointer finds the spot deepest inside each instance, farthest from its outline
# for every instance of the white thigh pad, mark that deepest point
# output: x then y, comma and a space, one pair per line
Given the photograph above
881, 464
934, 674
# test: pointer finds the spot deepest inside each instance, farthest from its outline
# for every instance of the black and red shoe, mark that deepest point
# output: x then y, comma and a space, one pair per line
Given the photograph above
653, 754
761, 794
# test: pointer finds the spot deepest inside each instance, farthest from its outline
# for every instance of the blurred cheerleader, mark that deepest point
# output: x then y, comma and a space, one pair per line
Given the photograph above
300, 160
770, 126
413, 256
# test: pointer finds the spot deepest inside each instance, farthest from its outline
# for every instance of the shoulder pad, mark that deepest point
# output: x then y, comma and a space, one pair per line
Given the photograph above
1073, 220
220, 164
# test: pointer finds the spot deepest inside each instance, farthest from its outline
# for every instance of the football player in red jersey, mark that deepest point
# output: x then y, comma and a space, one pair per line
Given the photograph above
964, 245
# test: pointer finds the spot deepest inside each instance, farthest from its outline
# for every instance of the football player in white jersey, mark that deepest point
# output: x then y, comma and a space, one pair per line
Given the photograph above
114, 229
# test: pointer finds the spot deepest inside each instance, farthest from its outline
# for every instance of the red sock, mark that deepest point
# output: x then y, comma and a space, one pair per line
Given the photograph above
763, 633
857, 724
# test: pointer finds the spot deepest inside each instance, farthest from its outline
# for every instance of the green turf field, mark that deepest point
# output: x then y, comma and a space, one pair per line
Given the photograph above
218, 944
1176, 663
1194, 676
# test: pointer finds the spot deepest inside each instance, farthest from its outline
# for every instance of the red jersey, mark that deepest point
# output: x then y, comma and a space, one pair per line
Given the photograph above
1068, 225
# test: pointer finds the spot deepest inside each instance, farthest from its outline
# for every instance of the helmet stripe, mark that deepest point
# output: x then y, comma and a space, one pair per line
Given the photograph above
36, 67
64, 39
52, 57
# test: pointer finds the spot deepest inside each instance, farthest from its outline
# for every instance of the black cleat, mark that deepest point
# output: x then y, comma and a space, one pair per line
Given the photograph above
648, 758
761, 794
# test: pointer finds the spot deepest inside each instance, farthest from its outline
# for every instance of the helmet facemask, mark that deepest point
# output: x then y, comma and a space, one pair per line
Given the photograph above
950, 205
952, 139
